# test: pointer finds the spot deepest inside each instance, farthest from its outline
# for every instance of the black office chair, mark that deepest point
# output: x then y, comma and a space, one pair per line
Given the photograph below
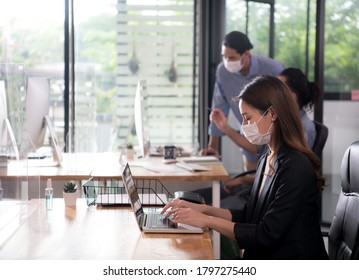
320, 138
343, 237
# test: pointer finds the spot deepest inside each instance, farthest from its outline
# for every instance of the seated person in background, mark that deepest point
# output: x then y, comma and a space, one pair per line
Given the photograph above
304, 92
282, 218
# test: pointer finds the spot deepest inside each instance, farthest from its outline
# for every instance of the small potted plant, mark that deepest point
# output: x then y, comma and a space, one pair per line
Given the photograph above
129, 151
70, 194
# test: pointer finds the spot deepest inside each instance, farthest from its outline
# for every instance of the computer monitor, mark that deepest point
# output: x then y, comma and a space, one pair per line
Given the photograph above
3, 114
36, 108
137, 121
8, 145
37, 121
139, 112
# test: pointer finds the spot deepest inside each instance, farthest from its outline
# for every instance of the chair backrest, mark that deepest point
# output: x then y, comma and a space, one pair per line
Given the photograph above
320, 139
343, 239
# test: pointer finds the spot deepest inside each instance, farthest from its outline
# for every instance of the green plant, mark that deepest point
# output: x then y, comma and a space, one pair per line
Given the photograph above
70, 187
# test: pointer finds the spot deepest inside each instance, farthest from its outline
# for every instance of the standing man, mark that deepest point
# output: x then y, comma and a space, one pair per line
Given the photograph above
238, 68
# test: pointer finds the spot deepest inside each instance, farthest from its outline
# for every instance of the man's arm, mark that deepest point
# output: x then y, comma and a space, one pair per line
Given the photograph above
220, 120
212, 147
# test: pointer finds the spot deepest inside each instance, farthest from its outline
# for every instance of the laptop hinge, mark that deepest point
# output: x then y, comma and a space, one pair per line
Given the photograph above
143, 219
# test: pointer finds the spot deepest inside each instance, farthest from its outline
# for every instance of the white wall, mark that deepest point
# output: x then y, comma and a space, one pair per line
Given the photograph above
342, 119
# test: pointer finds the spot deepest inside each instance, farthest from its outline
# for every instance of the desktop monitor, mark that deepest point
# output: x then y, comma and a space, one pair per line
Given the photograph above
3, 114
36, 108
137, 121
37, 121
139, 116
6, 131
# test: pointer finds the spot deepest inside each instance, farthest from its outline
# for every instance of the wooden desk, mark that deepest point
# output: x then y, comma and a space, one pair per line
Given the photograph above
97, 233
106, 166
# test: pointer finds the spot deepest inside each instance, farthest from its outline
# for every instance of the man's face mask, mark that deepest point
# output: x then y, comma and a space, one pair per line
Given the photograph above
253, 135
233, 66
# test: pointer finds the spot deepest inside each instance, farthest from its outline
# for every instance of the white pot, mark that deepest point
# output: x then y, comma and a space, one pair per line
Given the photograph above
70, 198
130, 154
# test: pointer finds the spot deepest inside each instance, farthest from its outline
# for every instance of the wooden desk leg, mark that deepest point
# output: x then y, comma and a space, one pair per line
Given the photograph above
215, 235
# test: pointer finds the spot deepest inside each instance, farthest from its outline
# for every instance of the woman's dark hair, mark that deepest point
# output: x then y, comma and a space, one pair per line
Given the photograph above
269, 93
307, 92
238, 41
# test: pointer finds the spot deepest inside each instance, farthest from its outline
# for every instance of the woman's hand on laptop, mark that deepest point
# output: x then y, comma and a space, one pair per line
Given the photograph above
176, 204
190, 216
185, 212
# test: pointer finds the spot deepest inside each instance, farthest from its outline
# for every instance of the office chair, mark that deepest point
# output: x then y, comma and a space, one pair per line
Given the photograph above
320, 138
343, 236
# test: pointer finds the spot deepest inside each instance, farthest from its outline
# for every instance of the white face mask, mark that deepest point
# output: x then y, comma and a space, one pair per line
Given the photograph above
233, 66
253, 135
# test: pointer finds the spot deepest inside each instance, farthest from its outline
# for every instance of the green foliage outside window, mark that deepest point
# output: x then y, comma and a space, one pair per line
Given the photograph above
341, 67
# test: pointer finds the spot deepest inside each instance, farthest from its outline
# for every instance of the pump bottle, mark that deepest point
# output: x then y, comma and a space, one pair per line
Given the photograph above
49, 194
1, 191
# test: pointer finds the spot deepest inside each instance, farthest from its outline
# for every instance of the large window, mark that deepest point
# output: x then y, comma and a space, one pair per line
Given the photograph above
295, 34
119, 43
95, 76
294, 29
243, 16
116, 44
32, 44
341, 49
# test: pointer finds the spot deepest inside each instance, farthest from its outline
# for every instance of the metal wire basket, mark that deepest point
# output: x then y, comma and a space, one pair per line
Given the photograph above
112, 192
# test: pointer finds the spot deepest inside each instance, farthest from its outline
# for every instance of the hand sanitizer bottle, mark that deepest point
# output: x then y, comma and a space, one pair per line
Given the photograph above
49, 194
1, 191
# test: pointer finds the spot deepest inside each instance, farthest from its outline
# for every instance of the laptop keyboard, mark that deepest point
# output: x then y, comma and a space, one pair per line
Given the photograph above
155, 221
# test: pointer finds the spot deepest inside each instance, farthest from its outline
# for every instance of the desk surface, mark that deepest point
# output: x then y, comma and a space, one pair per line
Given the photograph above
114, 169
81, 166
97, 233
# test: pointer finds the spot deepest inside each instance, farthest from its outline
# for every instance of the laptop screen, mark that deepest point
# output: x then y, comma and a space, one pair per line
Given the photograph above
131, 189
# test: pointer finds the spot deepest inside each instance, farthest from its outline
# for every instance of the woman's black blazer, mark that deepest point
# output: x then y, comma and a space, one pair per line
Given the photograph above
284, 221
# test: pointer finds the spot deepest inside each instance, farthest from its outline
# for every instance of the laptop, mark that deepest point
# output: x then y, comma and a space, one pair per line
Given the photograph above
151, 222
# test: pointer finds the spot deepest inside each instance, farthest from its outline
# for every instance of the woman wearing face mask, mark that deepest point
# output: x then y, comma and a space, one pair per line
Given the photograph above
282, 218
305, 94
